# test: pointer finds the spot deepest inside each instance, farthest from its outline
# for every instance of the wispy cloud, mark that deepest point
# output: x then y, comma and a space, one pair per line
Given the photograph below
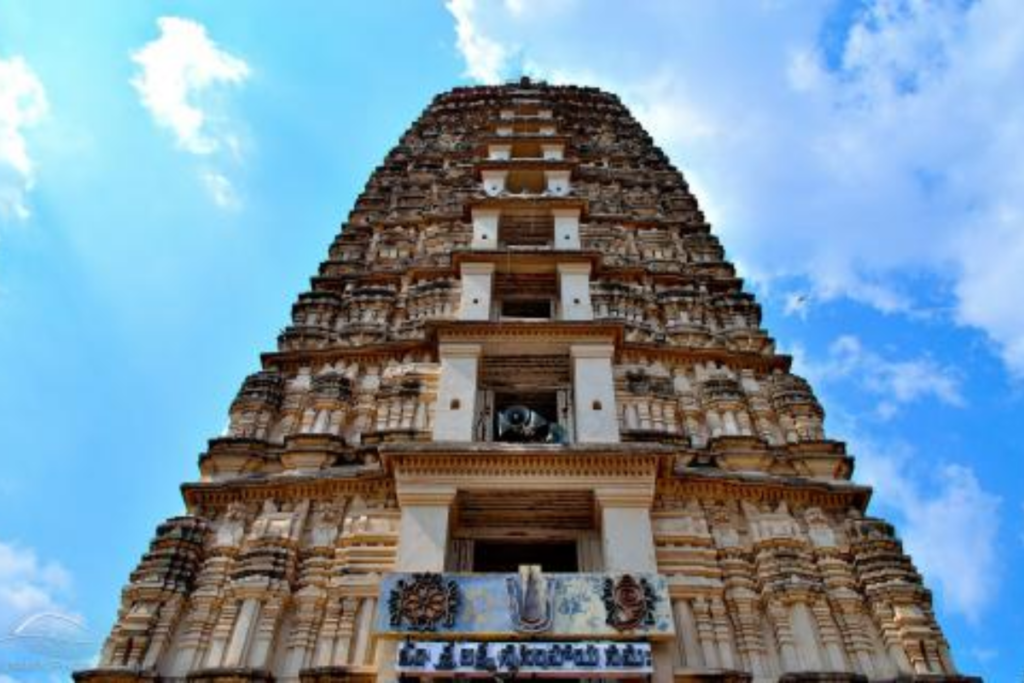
888, 144
896, 382
23, 105
220, 189
179, 71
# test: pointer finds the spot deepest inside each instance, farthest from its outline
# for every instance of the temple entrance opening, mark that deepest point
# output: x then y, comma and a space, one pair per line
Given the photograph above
554, 556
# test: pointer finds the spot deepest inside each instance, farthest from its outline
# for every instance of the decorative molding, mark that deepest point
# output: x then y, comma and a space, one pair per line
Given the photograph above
487, 469
601, 351
323, 485
695, 483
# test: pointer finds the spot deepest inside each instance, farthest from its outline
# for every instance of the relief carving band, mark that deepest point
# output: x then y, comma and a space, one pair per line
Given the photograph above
424, 602
630, 603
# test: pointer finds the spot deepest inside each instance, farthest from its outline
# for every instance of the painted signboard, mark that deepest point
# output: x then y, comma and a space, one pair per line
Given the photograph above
597, 659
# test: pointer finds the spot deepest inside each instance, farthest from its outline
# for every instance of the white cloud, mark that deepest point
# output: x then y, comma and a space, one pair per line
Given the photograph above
177, 68
220, 189
892, 146
948, 522
28, 585
894, 382
486, 59
180, 71
23, 105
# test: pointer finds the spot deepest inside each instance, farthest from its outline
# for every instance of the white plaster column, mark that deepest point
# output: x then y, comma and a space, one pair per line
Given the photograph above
456, 396
567, 228
557, 183
494, 182
552, 152
628, 543
574, 291
422, 541
626, 535
477, 283
485, 228
423, 530
499, 152
597, 419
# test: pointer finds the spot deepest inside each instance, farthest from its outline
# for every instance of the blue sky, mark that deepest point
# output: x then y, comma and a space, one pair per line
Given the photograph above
171, 174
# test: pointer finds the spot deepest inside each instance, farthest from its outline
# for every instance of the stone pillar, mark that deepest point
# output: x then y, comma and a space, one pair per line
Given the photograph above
329, 631
456, 396
234, 656
686, 632
567, 229
423, 530
574, 291
485, 229
626, 534
477, 283
346, 630
778, 614
597, 418
628, 544
362, 650
263, 633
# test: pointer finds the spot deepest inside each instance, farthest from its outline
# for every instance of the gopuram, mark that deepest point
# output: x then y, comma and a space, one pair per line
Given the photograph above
525, 424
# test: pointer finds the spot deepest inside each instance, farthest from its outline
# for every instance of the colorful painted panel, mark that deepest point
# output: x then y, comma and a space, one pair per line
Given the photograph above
597, 605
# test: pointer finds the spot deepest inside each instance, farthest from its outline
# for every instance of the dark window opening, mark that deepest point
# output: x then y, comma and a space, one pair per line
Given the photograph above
495, 556
532, 309
527, 417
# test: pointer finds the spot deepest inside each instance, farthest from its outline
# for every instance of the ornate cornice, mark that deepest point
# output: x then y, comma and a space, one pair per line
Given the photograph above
525, 164
325, 484
566, 332
692, 482
369, 353
687, 354
547, 259
528, 200
496, 465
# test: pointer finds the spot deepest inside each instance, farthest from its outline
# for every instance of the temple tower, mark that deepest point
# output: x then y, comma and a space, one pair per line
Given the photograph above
525, 422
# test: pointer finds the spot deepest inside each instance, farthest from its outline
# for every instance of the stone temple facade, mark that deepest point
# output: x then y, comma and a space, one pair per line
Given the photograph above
525, 423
